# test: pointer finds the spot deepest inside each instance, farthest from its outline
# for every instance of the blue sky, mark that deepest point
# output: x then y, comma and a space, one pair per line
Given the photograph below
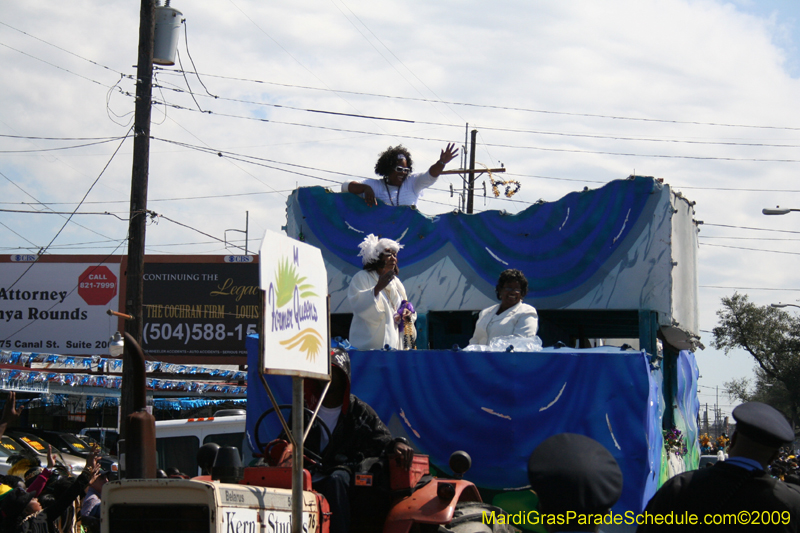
784, 14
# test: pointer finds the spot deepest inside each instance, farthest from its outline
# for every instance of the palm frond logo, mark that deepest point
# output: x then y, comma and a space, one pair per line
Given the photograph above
308, 341
286, 279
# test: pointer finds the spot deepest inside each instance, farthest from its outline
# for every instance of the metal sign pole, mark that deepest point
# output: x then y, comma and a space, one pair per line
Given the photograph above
297, 456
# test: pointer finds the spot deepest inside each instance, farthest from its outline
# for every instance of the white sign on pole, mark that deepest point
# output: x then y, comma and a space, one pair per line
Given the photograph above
296, 337
58, 307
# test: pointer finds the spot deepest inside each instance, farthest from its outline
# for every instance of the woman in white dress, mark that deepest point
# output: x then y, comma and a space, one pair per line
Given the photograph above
381, 312
510, 316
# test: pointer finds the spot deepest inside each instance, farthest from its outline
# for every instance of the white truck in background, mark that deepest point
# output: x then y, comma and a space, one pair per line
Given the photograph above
177, 441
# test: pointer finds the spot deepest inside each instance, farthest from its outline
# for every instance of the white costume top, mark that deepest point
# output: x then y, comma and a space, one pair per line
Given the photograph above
410, 190
521, 320
373, 323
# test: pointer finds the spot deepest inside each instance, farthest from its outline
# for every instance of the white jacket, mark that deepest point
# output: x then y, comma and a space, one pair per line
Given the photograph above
521, 320
373, 323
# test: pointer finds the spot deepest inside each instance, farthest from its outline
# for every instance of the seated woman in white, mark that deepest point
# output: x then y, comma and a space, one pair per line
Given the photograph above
376, 295
510, 316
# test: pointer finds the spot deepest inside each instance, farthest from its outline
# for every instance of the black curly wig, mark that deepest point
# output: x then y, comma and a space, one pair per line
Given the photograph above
509, 276
387, 161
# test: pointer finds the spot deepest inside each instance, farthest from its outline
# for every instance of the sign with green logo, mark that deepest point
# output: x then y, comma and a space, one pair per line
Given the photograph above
295, 284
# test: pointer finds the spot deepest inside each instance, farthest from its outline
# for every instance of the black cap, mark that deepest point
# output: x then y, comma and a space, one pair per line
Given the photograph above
108, 473
15, 503
763, 424
341, 359
571, 472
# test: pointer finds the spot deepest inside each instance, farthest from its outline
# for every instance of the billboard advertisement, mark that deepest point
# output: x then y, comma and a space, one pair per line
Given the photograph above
199, 310
57, 307
196, 309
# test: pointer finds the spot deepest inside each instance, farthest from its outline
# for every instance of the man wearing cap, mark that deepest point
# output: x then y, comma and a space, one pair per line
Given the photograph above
90, 508
577, 481
739, 486
356, 433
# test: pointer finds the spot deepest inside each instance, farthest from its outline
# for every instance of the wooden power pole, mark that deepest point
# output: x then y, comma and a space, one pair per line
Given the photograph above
470, 180
138, 214
471, 184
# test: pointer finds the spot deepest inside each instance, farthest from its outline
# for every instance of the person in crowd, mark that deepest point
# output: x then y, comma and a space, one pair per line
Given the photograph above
740, 483
398, 185
90, 508
382, 314
21, 511
572, 473
510, 316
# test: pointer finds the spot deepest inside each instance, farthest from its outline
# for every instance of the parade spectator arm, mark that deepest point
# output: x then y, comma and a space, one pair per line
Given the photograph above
71, 494
37, 485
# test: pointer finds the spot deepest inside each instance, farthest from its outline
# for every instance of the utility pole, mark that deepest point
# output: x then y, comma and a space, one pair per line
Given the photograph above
471, 185
138, 206
469, 182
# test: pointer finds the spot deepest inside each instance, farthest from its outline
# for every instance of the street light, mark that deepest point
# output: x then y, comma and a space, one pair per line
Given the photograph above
116, 345
777, 211
784, 305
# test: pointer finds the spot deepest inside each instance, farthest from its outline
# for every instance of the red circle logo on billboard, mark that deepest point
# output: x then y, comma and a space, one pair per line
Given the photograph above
97, 285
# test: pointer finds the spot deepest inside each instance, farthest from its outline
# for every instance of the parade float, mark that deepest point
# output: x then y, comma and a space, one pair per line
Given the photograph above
612, 273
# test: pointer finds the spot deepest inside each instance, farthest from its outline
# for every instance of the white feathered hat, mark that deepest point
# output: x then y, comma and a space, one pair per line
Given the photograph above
372, 248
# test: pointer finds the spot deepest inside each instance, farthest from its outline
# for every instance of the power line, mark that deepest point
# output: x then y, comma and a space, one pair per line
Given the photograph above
390, 51
751, 249
289, 54
258, 161
32, 138
496, 145
43, 250
12, 182
59, 148
65, 50
747, 288
483, 127
751, 229
36, 246
55, 66
71, 213
206, 197
506, 108
196, 230
704, 237
292, 108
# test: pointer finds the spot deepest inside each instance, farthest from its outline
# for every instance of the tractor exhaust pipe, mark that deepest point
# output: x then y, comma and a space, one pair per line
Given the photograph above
140, 445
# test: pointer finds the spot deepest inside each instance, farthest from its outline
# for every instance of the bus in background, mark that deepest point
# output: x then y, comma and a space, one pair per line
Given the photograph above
177, 441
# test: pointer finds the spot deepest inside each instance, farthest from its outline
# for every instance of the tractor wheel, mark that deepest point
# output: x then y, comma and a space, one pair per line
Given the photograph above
469, 518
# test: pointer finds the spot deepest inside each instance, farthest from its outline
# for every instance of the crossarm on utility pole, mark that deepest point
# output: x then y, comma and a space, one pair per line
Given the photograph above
476, 171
